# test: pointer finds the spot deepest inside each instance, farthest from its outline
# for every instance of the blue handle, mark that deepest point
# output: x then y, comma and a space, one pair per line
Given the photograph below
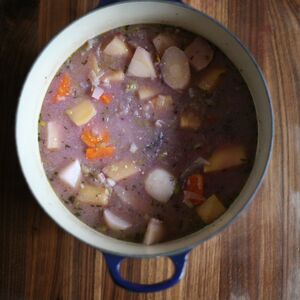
107, 2
113, 263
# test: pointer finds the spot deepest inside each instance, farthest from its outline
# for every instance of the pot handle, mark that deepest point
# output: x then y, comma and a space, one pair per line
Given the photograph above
113, 263
108, 2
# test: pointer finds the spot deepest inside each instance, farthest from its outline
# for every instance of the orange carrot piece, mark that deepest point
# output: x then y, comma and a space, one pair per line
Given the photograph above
195, 184
93, 141
64, 88
101, 152
106, 99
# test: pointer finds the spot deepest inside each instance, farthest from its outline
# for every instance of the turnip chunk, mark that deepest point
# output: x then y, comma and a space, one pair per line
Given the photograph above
115, 222
175, 68
93, 195
54, 135
82, 112
97, 93
71, 174
141, 64
200, 53
121, 169
145, 92
162, 42
116, 48
160, 185
155, 232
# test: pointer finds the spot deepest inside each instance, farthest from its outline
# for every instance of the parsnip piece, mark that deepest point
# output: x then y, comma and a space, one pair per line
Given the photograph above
190, 119
116, 48
71, 174
93, 195
82, 112
155, 232
121, 170
141, 64
175, 68
211, 209
210, 79
226, 157
115, 222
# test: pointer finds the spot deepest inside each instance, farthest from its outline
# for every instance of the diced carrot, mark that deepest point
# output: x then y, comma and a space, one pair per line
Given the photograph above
91, 140
64, 88
195, 184
100, 152
192, 199
106, 99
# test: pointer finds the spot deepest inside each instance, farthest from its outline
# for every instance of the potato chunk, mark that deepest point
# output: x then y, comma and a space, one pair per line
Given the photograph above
155, 232
71, 174
162, 42
141, 64
121, 170
54, 135
210, 79
175, 68
162, 102
115, 222
200, 53
190, 119
226, 157
93, 195
82, 112
211, 209
145, 92
116, 48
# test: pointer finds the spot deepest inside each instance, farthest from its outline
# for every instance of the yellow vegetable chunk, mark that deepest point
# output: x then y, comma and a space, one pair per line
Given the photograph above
121, 170
226, 157
93, 195
116, 48
211, 209
145, 92
190, 120
82, 112
210, 79
162, 102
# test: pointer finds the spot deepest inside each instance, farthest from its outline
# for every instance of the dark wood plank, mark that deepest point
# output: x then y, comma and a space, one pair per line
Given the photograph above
258, 257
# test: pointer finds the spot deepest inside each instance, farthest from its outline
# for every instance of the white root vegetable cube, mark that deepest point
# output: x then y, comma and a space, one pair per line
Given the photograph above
160, 185
190, 120
114, 76
175, 68
211, 209
155, 232
226, 157
93, 195
162, 102
146, 92
117, 48
210, 79
54, 135
71, 174
200, 53
162, 42
115, 222
121, 170
82, 112
141, 64
97, 93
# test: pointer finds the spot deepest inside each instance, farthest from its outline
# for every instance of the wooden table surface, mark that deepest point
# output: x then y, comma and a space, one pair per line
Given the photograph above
258, 257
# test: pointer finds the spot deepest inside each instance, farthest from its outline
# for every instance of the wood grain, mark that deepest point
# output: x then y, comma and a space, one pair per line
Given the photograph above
258, 257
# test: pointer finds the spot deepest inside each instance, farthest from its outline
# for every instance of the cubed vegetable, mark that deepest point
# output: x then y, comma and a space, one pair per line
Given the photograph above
192, 199
155, 232
64, 88
133, 148
200, 53
94, 140
146, 92
211, 209
71, 174
226, 157
190, 119
113, 76
114, 221
195, 184
100, 152
93, 64
162, 102
97, 93
121, 170
117, 47
126, 196
93, 195
106, 98
210, 79
54, 135
160, 184
162, 42
141, 64
175, 68
82, 112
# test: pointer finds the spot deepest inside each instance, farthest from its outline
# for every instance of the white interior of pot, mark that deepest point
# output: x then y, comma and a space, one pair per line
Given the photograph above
62, 46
